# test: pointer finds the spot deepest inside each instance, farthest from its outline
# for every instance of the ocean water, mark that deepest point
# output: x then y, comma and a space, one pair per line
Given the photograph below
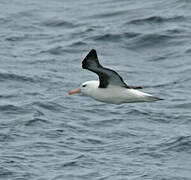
45, 134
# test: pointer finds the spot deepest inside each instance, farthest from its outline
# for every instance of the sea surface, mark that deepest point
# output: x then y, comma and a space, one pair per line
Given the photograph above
45, 134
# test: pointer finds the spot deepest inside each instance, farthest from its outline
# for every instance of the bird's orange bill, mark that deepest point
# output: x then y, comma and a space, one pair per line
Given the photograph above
78, 90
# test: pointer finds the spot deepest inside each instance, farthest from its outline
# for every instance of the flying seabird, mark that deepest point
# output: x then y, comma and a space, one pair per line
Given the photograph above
110, 88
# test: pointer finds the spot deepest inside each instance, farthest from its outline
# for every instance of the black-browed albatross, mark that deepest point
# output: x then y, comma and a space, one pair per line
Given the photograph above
110, 88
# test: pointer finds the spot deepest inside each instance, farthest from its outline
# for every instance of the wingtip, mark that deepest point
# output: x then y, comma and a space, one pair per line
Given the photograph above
158, 99
161, 99
92, 54
93, 50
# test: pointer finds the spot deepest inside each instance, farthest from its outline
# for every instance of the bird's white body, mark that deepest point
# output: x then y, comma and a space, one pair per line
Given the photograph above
110, 88
115, 94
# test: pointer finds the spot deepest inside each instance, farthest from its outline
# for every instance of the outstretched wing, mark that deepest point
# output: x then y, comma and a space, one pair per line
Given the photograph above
106, 76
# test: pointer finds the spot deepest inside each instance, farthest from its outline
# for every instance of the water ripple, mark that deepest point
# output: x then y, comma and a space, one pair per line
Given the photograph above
115, 37
36, 122
56, 23
12, 109
157, 19
178, 144
15, 77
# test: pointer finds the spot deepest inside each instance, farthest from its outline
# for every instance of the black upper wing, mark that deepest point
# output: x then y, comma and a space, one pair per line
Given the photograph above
106, 76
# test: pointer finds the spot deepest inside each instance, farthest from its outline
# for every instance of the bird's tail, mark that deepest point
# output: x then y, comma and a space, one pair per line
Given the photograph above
148, 97
152, 98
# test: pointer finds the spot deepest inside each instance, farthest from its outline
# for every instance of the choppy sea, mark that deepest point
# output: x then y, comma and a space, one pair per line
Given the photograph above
45, 134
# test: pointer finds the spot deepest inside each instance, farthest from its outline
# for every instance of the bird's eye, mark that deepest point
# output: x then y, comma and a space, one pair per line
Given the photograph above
84, 85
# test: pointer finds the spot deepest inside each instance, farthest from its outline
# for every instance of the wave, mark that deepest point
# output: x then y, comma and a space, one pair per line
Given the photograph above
138, 112
77, 44
183, 105
12, 109
7, 96
61, 50
138, 40
17, 38
36, 122
55, 50
157, 19
15, 77
153, 38
59, 23
178, 144
167, 84
149, 40
115, 37
4, 137
109, 14
49, 106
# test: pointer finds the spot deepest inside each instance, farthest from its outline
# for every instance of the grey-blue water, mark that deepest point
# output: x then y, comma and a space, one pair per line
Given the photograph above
45, 134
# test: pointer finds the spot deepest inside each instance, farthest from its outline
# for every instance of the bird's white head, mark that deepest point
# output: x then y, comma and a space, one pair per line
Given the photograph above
85, 88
